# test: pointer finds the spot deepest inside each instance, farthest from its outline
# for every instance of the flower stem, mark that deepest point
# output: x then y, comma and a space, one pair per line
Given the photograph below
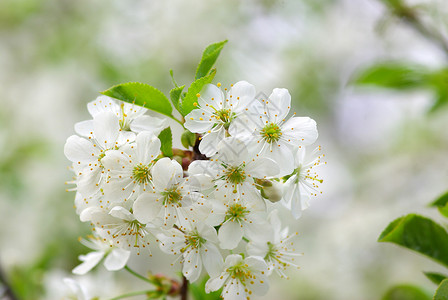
137, 275
184, 289
132, 294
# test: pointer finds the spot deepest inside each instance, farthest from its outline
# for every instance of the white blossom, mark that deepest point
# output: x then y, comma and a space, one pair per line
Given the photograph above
303, 182
120, 227
239, 218
115, 258
272, 136
278, 249
87, 152
174, 199
197, 247
241, 277
216, 112
131, 117
129, 169
234, 169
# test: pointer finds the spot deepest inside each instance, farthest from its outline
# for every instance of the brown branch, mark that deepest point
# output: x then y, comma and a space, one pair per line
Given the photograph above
184, 289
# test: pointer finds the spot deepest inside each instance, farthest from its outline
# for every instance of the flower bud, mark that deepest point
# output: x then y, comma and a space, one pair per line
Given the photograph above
188, 139
272, 190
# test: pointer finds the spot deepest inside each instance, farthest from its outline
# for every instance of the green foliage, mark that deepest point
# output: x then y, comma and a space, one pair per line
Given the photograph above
442, 204
166, 139
197, 291
436, 278
419, 234
393, 75
442, 291
208, 59
405, 76
141, 94
175, 97
406, 292
194, 89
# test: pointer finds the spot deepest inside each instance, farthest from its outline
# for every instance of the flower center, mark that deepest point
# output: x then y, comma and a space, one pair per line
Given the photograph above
172, 196
235, 175
271, 133
236, 212
225, 116
240, 272
142, 174
194, 240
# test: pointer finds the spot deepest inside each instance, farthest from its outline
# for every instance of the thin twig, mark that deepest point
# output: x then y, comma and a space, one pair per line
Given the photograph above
410, 17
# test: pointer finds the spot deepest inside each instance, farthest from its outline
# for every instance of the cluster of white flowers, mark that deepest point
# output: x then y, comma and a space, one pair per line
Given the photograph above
199, 211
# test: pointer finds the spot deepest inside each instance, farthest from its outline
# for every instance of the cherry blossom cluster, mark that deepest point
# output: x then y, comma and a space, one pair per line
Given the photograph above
251, 162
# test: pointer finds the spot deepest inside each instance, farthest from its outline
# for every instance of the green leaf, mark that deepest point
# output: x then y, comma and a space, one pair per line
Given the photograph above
419, 234
194, 89
141, 94
208, 59
197, 290
436, 278
175, 96
393, 75
442, 204
166, 140
442, 291
406, 292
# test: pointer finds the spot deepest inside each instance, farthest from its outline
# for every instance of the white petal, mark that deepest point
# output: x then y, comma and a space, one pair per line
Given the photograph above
165, 173
212, 259
121, 213
102, 104
214, 284
147, 207
207, 167
209, 142
148, 147
76, 289
230, 235
84, 128
242, 94
256, 263
89, 262
117, 259
192, 265
232, 151
259, 230
282, 155
89, 181
211, 95
148, 123
234, 290
115, 160
260, 286
199, 121
300, 130
80, 150
106, 128
262, 167
278, 105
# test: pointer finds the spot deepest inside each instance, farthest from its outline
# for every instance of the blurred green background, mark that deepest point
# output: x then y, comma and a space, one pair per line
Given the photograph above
386, 151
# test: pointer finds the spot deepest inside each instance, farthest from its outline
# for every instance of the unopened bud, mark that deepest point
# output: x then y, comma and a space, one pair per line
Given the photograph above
188, 139
272, 190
